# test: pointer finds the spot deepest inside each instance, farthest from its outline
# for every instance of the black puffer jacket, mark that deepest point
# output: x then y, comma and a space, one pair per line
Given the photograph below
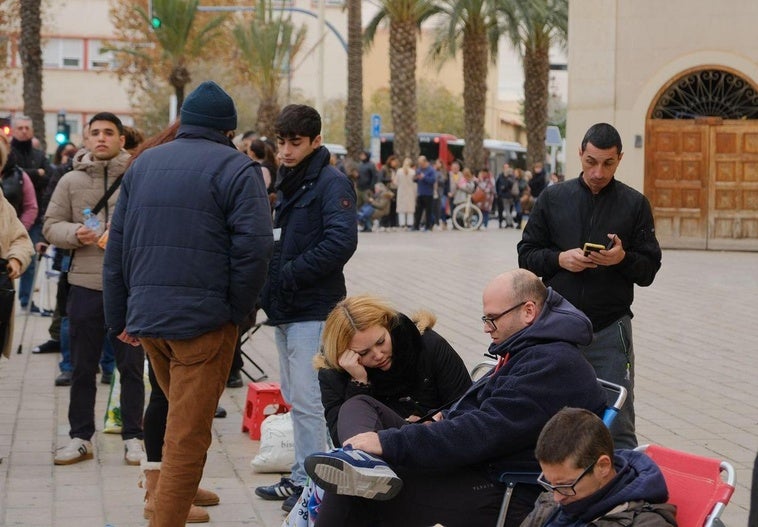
433, 375
565, 217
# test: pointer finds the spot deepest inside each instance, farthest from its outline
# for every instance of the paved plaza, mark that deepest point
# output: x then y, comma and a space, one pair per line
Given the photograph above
696, 344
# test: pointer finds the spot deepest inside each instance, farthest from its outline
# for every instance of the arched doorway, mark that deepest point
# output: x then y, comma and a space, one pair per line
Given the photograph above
701, 161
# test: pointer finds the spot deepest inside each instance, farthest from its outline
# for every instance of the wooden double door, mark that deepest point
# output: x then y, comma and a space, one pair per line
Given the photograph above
701, 177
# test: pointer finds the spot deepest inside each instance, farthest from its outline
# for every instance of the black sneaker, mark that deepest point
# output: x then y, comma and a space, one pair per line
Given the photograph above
41, 312
64, 379
106, 378
234, 380
290, 502
279, 491
51, 346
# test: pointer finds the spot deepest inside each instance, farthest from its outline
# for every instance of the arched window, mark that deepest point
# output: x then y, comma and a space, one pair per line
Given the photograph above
708, 93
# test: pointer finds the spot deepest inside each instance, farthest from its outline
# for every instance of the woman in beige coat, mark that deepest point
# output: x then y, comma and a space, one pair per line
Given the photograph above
15, 247
406, 193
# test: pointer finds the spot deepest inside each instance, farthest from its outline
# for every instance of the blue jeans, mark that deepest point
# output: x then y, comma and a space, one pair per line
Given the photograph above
25, 283
612, 355
297, 344
65, 363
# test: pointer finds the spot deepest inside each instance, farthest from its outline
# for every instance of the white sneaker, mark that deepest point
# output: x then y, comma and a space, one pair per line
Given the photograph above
134, 453
77, 450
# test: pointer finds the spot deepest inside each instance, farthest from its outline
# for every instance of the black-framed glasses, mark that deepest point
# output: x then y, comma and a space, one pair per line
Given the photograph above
490, 321
567, 489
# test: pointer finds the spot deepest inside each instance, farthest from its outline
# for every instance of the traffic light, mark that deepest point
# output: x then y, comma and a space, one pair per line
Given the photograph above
155, 20
63, 133
5, 126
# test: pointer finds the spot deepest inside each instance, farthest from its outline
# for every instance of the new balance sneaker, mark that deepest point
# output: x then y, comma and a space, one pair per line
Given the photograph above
279, 491
353, 473
77, 450
134, 453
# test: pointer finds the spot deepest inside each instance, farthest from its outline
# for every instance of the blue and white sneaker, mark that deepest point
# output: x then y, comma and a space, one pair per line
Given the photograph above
353, 473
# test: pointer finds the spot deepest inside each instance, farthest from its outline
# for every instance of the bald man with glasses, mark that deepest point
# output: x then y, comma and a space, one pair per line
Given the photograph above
588, 483
446, 469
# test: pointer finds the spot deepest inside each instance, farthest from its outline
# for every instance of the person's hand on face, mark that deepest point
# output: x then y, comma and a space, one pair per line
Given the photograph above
350, 361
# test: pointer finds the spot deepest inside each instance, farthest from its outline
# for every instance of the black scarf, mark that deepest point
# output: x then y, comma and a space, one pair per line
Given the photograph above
22, 146
289, 179
402, 377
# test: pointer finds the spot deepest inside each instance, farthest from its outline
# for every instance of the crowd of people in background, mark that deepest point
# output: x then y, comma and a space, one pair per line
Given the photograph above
421, 195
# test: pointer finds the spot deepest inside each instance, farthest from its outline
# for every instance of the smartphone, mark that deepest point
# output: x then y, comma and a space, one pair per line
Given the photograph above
589, 247
593, 247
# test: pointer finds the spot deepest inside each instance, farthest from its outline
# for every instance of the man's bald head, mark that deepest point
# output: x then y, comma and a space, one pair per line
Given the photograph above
512, 301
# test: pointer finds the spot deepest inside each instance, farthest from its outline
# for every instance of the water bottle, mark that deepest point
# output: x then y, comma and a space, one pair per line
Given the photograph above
91, 221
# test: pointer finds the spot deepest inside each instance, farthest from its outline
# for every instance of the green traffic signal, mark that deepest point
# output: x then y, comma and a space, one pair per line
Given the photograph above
63, 135
155, 22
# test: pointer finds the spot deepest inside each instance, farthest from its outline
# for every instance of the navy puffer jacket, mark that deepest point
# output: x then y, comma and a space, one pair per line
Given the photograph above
189, 240
319, 234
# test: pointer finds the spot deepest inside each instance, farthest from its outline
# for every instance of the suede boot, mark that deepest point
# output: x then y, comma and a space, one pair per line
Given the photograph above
149, 481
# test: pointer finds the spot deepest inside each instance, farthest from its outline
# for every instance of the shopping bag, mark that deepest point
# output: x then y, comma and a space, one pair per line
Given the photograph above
277, 451
113, 421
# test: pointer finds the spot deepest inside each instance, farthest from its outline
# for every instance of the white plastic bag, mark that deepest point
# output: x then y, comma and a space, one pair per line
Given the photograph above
277, 452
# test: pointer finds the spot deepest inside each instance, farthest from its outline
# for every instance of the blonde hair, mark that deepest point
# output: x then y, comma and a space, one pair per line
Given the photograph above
354, 314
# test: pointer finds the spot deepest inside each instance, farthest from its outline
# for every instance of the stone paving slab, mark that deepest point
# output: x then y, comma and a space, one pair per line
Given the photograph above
695, 343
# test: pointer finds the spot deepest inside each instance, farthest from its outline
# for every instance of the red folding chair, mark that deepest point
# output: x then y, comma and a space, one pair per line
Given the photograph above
695, 485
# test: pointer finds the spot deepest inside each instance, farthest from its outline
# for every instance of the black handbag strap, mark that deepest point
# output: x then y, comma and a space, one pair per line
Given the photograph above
108, 193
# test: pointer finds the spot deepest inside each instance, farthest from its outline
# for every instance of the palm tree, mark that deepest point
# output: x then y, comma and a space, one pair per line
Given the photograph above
180, 39
30, 50
268, 44
533, 26
471, 25
354, 107
405, 18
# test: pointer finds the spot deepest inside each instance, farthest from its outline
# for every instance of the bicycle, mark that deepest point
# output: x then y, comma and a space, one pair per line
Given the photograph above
467, 216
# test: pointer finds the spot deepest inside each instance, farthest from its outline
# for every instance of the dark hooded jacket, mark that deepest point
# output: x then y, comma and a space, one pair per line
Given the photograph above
426, 373
636, 496
495, 424
189, 240
318, 233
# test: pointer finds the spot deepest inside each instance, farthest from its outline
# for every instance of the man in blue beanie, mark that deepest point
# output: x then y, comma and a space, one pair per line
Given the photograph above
189, 246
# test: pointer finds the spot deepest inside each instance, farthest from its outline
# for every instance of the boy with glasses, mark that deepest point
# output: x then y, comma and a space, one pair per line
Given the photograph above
587, 483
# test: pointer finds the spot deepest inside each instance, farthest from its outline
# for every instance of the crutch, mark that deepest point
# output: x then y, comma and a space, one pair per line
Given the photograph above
31, 299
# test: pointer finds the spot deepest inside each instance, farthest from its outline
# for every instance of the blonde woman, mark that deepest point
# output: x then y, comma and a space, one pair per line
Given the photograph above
371, 349
16, 251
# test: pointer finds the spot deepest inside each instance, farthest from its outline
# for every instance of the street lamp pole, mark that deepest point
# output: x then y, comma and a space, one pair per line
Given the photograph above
320, 75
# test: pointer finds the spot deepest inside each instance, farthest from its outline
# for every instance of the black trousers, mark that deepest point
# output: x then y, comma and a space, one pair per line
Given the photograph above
459, 497
87, 332
155, 419
423, 206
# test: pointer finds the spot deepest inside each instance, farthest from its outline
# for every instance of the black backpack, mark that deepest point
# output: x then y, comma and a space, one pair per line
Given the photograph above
13, 188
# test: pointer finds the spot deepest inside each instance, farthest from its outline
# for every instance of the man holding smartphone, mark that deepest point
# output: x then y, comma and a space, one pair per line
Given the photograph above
592, 239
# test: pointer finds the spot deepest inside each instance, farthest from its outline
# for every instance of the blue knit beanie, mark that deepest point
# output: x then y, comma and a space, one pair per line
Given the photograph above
210, 106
